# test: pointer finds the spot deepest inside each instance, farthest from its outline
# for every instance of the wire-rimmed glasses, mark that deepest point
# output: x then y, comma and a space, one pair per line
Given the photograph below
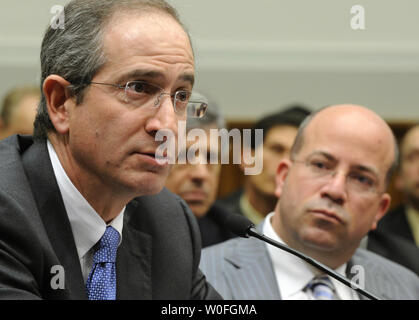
357, 181
139, 93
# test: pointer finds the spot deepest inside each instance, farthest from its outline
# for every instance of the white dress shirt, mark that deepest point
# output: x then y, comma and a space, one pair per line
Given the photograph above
293, 274
86, 224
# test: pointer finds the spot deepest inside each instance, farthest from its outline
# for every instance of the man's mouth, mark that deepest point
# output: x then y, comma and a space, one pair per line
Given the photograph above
195, 195
330, 215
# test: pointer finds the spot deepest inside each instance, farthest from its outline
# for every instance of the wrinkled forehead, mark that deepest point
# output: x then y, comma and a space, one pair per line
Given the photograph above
151, 24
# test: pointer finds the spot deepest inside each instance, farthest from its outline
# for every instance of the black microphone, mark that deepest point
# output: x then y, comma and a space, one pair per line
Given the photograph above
243, 227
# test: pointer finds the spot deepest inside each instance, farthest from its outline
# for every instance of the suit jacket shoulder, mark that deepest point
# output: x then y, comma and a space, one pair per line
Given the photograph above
158, 257
395, 222
394, 248
240, 269
385, 278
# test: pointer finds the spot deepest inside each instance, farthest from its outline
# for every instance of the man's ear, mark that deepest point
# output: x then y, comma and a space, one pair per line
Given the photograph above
57, 98
382, 209
281, 174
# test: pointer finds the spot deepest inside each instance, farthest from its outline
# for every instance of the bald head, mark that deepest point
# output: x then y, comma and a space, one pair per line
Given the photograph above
354, 122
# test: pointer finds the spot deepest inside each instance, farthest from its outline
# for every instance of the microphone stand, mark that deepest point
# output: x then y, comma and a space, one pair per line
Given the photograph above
253, 232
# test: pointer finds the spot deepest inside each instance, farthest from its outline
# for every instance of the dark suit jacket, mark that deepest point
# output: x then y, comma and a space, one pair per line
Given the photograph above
158, 257
231, 203
394, 240
394, 248
395, 222
212, 228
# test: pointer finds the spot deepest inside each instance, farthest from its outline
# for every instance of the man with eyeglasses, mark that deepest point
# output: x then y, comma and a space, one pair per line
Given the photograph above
331, 192
83, 212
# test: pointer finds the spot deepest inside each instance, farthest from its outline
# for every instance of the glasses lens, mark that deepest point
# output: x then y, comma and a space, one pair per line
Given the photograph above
196, 109
181, 101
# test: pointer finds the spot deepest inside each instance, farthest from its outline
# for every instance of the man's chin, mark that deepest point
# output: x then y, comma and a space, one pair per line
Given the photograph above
320, 241
149, 184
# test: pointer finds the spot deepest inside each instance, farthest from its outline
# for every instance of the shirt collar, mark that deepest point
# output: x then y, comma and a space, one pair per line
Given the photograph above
86, 224
292, 273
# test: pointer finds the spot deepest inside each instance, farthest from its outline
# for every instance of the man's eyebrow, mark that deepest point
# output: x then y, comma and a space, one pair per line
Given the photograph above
152, 74
136, 74
327, 155
358, 167
188, 78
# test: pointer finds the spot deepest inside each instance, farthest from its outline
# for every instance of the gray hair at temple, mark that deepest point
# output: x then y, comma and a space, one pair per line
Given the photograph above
76, 52
213, 116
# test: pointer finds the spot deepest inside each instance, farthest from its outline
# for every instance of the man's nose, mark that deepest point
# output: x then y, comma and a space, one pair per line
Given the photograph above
334, 188
164, 117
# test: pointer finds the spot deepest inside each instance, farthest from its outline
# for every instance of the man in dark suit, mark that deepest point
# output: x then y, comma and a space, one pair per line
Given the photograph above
82, 211
397, 234
331, 192
404, 220
196, 180
257, 197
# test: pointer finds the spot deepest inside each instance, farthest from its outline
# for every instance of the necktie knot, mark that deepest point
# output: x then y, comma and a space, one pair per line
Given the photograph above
322, 288
108, 246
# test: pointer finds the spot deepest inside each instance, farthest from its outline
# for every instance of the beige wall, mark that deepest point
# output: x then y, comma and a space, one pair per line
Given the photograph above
256, 56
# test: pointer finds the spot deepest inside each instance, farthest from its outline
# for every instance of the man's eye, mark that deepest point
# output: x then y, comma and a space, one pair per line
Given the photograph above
361, 179
142, 87
182, 96
318, 165
137, 87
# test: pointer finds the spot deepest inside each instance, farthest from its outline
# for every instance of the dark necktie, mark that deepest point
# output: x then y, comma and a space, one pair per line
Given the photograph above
101, 283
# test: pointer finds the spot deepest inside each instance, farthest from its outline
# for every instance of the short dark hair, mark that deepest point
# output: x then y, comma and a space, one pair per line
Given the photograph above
76, 52
293, 115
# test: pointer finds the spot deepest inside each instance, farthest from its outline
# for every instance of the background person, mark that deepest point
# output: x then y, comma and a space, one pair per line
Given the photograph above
397, 235
331, 193
197, 183
18, 111
257, 197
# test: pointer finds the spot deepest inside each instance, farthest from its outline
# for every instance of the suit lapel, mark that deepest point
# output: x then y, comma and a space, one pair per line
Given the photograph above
356, 267
250, 270
133, 264
41, 177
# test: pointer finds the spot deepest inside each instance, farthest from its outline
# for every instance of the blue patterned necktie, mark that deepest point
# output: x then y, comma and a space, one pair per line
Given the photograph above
101, 283
322, 288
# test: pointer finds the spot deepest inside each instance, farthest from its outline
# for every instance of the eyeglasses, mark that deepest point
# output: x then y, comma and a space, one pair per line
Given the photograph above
357, 181
138, 93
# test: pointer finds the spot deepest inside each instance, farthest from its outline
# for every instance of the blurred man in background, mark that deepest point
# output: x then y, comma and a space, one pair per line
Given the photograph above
197, 182
18, 111
397, 235
257, 198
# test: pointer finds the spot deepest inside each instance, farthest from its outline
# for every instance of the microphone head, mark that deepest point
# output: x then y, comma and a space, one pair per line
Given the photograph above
238, 224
